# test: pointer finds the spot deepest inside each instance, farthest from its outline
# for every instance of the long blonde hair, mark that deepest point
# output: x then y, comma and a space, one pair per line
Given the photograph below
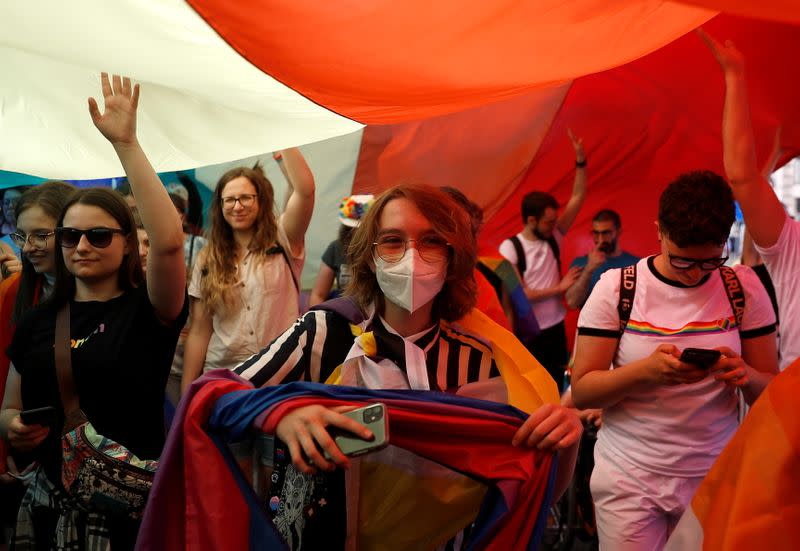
218, 261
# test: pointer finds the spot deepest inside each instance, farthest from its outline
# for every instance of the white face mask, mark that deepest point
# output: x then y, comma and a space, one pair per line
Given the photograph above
411, 282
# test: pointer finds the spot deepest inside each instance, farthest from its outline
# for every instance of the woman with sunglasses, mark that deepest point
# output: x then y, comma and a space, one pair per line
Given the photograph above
412, 260
666, 413
123, 332
244, 287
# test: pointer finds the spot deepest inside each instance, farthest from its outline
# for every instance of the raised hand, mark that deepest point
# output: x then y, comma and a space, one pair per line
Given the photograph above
577, 144
729, 58
118, 122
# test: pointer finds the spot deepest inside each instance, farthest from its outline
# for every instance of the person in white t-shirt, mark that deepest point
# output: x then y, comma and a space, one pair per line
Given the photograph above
665, 420
775, 234
540, 272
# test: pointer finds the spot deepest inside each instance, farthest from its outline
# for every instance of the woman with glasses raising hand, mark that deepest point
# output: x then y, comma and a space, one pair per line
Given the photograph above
122, 332
669, 411
244, 287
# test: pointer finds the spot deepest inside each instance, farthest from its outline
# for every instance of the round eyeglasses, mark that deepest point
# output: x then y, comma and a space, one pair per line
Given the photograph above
36, 240
245, 200
431, 248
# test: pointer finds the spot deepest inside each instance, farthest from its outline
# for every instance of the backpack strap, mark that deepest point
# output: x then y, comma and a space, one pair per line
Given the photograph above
735, 293
627, 290
522, 263
556, 251
278, 249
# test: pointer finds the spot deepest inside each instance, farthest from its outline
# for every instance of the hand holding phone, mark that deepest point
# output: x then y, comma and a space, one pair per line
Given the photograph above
45, 416
375, 418
703, 358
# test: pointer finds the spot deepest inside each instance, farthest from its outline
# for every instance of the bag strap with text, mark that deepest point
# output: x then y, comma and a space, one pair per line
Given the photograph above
627, 290
735, 293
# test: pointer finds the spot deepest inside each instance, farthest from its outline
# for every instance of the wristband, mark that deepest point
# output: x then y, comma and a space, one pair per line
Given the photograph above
580, 164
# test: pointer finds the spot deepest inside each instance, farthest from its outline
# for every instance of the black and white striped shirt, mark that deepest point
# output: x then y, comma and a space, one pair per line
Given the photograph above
319, 342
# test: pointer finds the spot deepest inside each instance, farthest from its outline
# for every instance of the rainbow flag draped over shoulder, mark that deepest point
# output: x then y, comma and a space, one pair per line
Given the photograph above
201, 500
525, 324
750, 499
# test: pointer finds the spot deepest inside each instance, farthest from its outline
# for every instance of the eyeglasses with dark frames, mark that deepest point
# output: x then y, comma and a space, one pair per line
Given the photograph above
37, 240
684, 263
431, 248
246, 200
99, 237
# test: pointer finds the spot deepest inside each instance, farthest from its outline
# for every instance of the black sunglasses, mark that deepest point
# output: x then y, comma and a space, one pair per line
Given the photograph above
97, 237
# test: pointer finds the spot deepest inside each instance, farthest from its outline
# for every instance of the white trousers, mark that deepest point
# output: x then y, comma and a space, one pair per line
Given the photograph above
635, 509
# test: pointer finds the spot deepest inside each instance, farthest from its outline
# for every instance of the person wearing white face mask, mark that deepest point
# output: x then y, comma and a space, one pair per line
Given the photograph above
412, 261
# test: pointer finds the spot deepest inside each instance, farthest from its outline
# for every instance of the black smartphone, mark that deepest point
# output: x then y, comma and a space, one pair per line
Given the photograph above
45, 416
701, 357
375, 418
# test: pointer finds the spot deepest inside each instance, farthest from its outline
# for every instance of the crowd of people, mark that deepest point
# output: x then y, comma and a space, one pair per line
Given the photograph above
150, 306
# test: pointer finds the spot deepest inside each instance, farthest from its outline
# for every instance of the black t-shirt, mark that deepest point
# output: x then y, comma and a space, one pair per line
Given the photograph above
121, 357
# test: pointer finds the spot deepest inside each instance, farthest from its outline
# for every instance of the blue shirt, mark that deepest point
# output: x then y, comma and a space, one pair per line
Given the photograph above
625, 259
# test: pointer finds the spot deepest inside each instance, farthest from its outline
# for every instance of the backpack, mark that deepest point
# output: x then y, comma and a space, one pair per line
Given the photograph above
627, 290
522, 263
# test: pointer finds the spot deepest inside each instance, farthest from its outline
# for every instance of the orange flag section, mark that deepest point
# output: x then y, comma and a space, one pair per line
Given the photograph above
751, 497
776, 10
386, 61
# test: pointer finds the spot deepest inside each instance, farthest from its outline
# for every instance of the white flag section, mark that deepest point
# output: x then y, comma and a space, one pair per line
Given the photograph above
201, 103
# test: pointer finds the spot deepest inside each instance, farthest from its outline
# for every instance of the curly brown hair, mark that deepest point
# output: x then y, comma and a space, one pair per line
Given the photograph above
217, 284
449, 220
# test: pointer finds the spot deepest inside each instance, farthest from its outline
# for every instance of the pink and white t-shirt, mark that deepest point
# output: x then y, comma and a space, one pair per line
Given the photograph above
673, 430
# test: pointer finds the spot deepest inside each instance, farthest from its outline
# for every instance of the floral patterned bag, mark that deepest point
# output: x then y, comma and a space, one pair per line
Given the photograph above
99, 474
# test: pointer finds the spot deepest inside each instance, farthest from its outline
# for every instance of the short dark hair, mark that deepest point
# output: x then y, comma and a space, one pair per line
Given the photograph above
697, 209
608, 215
535, 203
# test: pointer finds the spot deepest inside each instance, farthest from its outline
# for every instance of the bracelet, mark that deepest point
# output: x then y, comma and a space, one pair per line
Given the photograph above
580, 164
